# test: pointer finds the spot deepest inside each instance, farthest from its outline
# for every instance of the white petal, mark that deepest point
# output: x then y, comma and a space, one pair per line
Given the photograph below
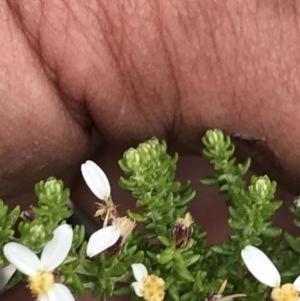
22, 258
296, 284
139, 271
96, 180
260, 266
57, 249
59, 292
138, 288
102, 240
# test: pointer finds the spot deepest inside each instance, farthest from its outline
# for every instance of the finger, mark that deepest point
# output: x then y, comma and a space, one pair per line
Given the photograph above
38, 136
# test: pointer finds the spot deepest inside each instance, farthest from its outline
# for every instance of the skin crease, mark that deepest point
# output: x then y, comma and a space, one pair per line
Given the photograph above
174, 69
137, 69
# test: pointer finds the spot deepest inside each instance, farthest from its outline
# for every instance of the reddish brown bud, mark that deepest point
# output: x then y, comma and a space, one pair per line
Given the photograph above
182, 231
28, 214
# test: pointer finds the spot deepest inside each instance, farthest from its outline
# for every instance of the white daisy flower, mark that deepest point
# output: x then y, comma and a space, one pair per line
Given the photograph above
263, 269
150, 287
96, 180
108, 236
98, 183
40, 270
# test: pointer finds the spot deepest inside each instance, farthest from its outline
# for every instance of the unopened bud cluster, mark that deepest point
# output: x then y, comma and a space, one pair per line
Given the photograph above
260, 187
51, 189
136, 158
218, 148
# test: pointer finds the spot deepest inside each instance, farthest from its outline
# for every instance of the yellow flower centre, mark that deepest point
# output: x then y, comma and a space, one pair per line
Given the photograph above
286, 292
41, 283
153, 288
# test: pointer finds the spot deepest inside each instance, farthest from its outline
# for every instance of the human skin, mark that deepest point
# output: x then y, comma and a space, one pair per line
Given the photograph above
137, 69
134, 69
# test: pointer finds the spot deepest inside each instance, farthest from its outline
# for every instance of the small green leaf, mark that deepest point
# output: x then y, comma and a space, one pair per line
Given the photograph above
187, 197
191, 260
123, 291
245, 166
184, 273
164, 240
271, 232
209, 180
136, 216
187, 296
12, 217
256, 241
236, 224
15, 279
173, 292
293, 242
165, 256
221, 250
3, 209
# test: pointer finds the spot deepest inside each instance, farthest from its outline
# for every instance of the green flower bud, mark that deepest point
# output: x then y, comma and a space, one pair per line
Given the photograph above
260, 186
149, 149
215, 137
53, 186
132, 158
